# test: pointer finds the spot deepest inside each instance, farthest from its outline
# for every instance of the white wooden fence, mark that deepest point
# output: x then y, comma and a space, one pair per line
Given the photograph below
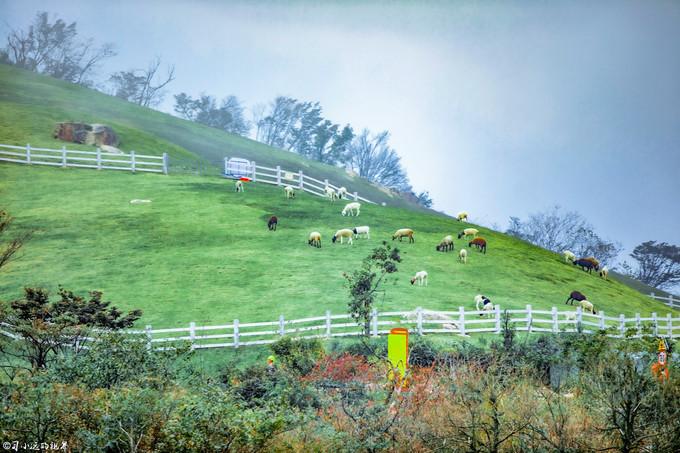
84, 159
669, 300
279, 177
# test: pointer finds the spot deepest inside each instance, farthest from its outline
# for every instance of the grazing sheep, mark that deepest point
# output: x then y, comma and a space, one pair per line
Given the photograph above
429, 315
352, 209
273, 221
468, 232
362, 230
483, 303
595, 262
238, 185
462, 216
570, 316
584, 264
404, 232
289, 192
569, 257
480, 243
420, 277
315, 239
342, 193
342, 234
587, 306
575, 296
462, 256
604, 272
330, 193
445, 245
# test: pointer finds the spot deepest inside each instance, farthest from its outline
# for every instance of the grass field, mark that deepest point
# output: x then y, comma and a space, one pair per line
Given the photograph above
201, 252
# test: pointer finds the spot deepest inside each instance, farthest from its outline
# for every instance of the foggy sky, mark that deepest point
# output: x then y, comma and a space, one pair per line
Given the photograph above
499, 109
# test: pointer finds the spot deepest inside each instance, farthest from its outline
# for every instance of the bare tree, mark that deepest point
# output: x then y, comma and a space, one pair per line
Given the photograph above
657, 264
373, 159
143, 86
9, 250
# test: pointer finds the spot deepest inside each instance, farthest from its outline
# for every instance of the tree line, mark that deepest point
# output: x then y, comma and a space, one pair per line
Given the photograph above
54, 48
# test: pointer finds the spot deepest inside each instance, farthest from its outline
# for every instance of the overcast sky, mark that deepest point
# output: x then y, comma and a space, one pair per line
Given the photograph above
497, 108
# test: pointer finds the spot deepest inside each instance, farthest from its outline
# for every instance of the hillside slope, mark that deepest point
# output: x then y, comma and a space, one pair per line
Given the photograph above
31, 104
201, 252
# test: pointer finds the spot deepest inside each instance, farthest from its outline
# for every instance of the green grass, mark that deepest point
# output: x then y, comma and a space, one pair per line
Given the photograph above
31, 105
202, 253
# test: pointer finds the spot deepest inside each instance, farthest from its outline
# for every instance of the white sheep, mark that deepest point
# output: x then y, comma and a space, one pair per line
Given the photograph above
342, 192
289, 192
462, 256
420, 277
238, 185
362, 230
342, 234
569, 257
445, 245
330, 193
604, 272
587, 306
468, 232
570, 316
462, 216
352, 209
315, 239
402, 233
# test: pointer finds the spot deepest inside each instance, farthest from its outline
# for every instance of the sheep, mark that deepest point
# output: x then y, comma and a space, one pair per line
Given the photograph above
595, 262
399, 234
330, 193
483, 303
351, 209
342, 234
569, 257
570, 316
462, 216
462, 256
587, 306
604, 272
315, 239
273, 221
575, 296
362, 230
468, 232
480, 243
342, 192
445, 245
420, 277
289, 192
585, 264
238, 185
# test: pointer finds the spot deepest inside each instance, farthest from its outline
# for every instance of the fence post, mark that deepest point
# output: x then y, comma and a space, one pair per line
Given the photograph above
530, 318
278, 175
601, 319
226, 166
236, 342
254, 170
133, 161
63, 156
192, 334
497, 314
148, 337
637, 324
652, 295
165, 163
461, 320
579, 319
325, 182
555, 325
356, 196
302, 180
28, 153
374, 322
669, 317
328, 323
622, 325
670, 300
419, 320
656, 324
282, 325
99, 158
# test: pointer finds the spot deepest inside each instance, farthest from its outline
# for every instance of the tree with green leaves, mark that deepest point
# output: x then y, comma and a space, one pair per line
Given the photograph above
228, 116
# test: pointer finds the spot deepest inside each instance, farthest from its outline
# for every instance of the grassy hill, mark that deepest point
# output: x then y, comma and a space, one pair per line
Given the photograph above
201, 252
31, 104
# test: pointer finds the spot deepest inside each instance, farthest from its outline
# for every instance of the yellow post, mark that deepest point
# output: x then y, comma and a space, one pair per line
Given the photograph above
397, 352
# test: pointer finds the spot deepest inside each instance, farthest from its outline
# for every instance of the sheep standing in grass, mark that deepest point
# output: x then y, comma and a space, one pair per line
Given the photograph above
604, 272
483, 303
362, 230
315, 239
289, 192
352, 209
404, 232
468, 232
480, 243
462, 216
445, 245
569, 257
587, 306
462, 256
596, 263
238, 185
342, 193
575, 296
330, 193
273, 222
585, 264
420, 277
342, 234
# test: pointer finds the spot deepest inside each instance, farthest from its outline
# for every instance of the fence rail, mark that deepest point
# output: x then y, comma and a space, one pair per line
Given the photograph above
419, 321
84, 159
280, 177
669, 300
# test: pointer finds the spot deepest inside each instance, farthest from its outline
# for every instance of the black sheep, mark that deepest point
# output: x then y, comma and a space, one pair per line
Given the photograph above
575, 296
273, 221
585, 264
